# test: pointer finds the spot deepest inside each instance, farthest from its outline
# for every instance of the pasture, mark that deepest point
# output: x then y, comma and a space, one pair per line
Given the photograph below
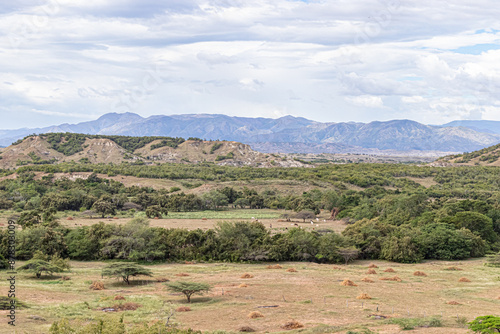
312, 295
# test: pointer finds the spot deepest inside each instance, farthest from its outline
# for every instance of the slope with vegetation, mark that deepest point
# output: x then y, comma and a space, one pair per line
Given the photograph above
55, 148
489, 156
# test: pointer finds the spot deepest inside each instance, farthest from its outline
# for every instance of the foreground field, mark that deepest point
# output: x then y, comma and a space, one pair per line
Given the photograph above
312, 296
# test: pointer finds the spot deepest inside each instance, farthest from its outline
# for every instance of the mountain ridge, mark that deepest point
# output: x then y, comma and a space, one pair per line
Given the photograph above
401, 135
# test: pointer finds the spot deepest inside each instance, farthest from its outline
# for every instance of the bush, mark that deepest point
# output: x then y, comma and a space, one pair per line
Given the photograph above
485, 324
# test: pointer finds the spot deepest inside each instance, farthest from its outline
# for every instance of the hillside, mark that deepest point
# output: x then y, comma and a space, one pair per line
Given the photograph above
58, 147
287, 134
489, 156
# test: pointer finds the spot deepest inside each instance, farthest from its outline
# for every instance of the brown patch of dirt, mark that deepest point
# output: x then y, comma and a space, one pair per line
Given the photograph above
347, 282
291, 270
364, 296
255, 315
292, 325
394, 279
183, 309
389, 270
419, 273
371, 272
464, 279
246, 275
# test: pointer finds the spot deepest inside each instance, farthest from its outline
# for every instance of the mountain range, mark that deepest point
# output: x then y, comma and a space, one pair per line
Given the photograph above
290, 134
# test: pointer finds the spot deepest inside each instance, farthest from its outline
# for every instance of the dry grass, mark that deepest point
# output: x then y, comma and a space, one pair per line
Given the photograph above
243, 285
372, 265
162, 279
126, 306
347, 282
292, 325
97, 285
453, 268
389, 270
464, 279
367, 280
118, 297
419, 273
255, 315
274, 266
364, 296
246, 329
371, 272
291, 270
183, 309
394, 279
181, 275
246, 275
337, 268
452, 302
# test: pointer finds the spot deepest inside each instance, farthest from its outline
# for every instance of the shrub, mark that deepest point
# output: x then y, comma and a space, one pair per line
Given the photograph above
485, 324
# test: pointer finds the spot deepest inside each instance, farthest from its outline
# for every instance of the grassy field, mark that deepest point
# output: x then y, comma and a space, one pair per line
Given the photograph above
312, 296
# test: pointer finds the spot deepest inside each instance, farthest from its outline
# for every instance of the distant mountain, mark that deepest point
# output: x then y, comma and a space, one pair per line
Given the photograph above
284, 133
480, 126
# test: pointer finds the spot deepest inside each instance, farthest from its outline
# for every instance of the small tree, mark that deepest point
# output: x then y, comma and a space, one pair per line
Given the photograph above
485, 324
104, 207
156, 211
305, 215
348, 253
188, 288
38, 266
124, 270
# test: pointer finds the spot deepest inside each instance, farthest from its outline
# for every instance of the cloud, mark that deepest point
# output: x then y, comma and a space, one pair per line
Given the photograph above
366, 101
428, 61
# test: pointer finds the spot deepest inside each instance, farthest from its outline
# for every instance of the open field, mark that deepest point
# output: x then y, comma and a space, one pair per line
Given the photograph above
202, 219
312, 295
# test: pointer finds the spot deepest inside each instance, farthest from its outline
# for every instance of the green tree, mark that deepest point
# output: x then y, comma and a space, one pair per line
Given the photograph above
188, 288
104, 207
38, 266
156, 211
487, 324
125, 270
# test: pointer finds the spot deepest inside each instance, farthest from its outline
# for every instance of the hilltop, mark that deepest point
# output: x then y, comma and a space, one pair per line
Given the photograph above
55, 148
489, 156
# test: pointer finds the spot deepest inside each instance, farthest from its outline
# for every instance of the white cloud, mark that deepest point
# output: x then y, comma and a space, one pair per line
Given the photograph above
321, 60
366, 101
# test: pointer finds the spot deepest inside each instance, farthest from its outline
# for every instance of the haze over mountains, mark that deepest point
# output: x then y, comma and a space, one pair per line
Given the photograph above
290, 134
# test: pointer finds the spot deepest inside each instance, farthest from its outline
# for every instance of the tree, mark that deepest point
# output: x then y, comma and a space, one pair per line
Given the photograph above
156, 211
305, 215
104, 207
38, 266
124, 270
188, 288
485, 324
348, 253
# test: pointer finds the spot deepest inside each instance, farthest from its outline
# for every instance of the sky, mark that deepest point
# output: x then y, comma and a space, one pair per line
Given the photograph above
70, 61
